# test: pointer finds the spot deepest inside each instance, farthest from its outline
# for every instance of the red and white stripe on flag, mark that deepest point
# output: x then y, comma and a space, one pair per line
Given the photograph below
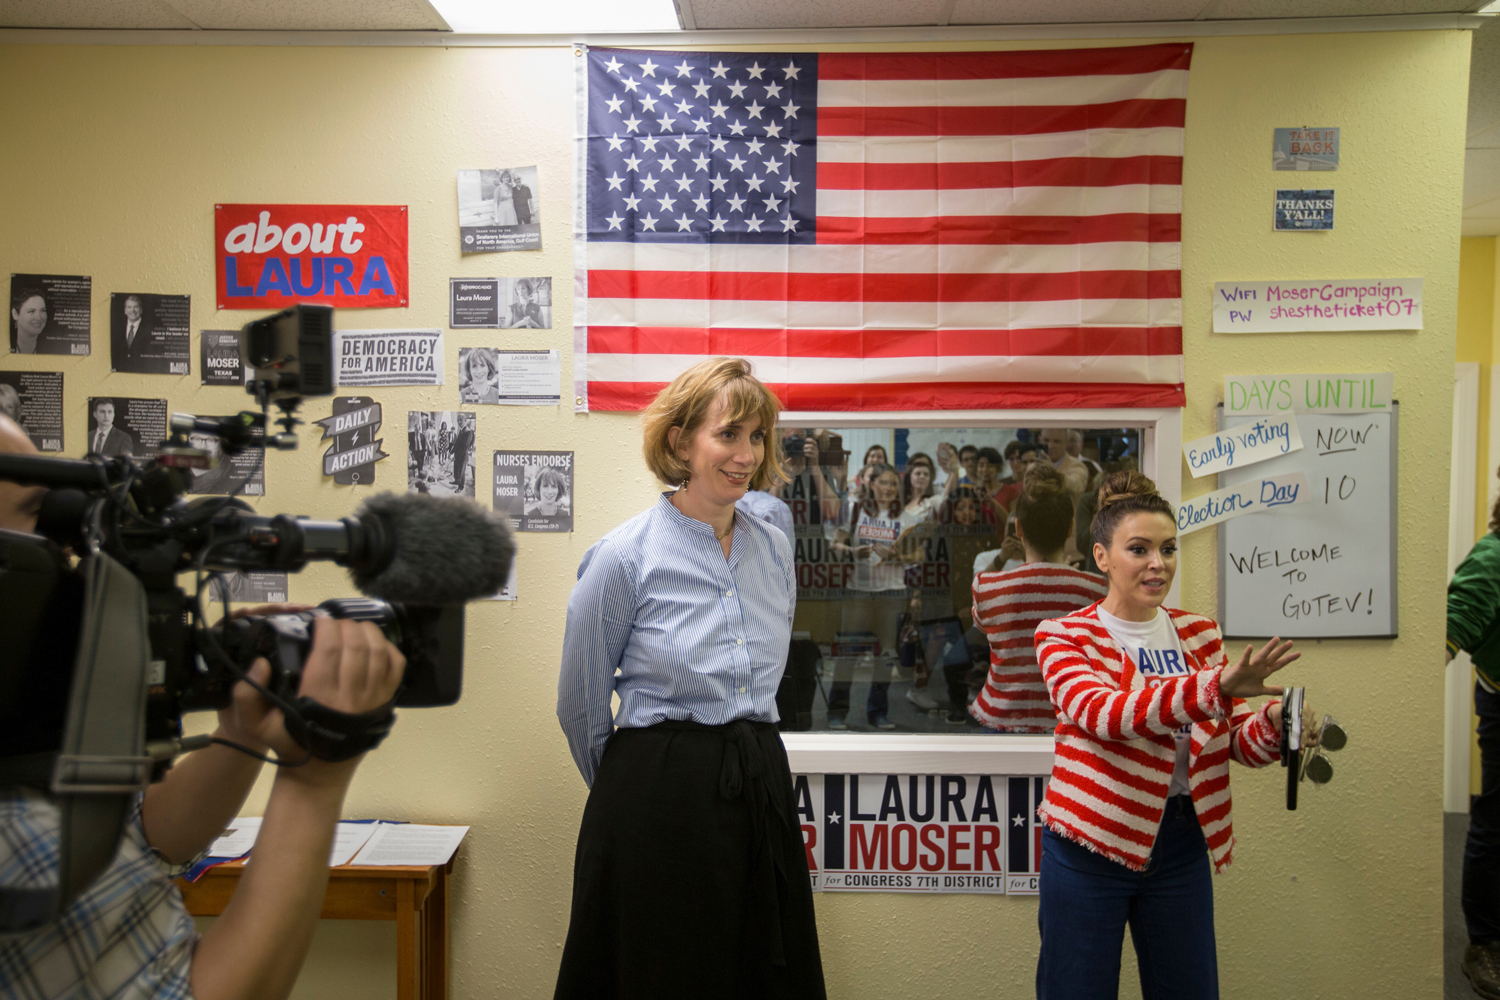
992, 229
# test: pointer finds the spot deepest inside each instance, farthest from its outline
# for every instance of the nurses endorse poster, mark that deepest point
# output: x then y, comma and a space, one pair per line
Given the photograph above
921, 832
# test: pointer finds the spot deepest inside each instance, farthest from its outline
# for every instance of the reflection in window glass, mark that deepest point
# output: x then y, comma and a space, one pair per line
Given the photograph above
891, 526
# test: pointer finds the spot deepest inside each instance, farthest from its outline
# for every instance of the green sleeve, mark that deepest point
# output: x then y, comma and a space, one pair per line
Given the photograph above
1474, 595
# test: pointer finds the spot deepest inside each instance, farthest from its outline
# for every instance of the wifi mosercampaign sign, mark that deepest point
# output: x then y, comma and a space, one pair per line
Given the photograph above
272, 256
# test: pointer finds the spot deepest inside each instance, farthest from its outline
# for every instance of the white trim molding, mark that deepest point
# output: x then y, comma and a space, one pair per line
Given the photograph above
797, 38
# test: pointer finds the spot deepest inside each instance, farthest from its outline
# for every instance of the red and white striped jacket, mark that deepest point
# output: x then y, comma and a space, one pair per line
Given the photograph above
1008, 607
1115, 749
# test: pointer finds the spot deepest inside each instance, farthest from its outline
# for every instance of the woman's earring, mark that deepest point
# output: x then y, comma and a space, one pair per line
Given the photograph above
682, 486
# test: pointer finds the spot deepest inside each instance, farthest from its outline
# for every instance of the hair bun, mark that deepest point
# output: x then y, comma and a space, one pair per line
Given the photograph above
1126, 485
1042, 480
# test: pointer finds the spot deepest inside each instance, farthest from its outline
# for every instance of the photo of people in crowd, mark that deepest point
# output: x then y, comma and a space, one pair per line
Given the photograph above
893, 531
440, 452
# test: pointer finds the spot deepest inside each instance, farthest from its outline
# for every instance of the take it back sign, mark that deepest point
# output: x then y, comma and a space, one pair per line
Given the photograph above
347, 256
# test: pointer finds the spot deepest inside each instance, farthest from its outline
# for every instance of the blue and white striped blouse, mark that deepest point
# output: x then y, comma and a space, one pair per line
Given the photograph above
661, 617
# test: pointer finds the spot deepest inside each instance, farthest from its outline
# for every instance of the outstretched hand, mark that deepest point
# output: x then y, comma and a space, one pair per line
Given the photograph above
1246, 677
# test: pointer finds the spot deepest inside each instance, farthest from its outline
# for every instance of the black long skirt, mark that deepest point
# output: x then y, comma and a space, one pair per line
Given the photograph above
690, 878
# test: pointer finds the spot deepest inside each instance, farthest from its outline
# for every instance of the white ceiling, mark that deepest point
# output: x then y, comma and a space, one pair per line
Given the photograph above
767, 14
225, 15
1481, 213
1482, 155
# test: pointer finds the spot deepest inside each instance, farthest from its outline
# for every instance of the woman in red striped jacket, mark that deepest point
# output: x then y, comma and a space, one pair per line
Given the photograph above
1009, 606
1150, 712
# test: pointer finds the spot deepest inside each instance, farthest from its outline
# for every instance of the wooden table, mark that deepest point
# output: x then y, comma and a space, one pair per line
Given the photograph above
415, 897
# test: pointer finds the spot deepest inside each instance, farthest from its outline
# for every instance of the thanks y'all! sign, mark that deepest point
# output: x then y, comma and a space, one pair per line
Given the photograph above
1243, 445
1250, 497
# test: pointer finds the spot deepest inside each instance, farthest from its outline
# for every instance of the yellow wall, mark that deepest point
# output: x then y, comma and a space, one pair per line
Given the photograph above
115, 158
1476, 343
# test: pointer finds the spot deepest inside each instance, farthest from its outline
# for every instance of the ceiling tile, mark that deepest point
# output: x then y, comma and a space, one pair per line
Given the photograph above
709, 14
1073, 11
311, 15
89, 14
1252, 9
1484, 86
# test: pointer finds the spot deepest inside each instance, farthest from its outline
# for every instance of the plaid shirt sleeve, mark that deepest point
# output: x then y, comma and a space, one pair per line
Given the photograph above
126, 937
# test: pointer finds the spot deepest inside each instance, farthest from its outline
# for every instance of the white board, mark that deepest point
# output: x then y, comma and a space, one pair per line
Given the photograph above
1325, 569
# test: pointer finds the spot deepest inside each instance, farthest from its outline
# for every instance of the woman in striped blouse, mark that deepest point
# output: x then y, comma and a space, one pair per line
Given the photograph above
1009, 606
1150, 712
690, 878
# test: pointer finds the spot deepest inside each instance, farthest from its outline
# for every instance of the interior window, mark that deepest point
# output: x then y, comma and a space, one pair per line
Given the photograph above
890, 526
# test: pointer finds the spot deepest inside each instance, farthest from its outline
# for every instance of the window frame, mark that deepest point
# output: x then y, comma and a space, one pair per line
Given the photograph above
928, 753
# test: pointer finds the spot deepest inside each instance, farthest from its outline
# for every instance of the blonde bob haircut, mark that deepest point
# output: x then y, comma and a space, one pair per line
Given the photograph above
686, 402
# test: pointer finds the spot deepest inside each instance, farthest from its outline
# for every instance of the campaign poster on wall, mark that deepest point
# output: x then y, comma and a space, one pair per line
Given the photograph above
249, 587
240, 474
535, 489
346, 256
34, 400
50, 313
123, 425
1305, 149
150, 334
440, 453
354, 428
921, 833
1310, 211
389, 357
497, 210
219, 361
500, 303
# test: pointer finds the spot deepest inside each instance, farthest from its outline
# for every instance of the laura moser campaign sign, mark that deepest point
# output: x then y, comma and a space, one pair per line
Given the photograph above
976, 833
271, 256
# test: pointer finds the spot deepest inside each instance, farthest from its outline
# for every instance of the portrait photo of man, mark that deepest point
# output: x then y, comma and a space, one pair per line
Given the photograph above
130, 338
105, 438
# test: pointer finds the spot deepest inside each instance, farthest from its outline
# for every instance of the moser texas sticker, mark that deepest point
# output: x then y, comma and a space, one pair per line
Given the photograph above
348, 256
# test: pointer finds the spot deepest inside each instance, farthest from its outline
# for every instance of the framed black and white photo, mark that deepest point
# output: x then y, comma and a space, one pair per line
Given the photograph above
50, 313
35, 401
440, 452
150, 334
497, 210
123, 425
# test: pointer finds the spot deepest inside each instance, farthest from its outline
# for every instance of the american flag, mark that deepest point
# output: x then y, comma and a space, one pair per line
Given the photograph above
882, 231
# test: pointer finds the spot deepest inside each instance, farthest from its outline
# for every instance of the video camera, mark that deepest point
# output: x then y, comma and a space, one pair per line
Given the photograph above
141, 647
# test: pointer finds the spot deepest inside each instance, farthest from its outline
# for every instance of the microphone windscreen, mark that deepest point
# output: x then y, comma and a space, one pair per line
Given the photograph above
448, 550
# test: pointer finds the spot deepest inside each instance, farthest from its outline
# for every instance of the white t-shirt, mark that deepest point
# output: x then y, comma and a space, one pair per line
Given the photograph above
872, 572
1156, 650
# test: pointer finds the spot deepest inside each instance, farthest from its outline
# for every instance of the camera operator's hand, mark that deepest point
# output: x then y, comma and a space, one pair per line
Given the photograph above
350, 668
241, 722
254, 951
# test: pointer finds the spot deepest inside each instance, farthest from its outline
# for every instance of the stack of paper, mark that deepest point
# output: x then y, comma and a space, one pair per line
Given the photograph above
365, 842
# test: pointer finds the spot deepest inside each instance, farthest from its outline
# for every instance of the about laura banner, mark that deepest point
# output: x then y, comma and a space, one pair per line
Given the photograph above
347, 256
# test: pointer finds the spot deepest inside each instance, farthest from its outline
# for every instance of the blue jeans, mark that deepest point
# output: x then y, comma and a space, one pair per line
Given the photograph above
1481, 892
1087, 899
